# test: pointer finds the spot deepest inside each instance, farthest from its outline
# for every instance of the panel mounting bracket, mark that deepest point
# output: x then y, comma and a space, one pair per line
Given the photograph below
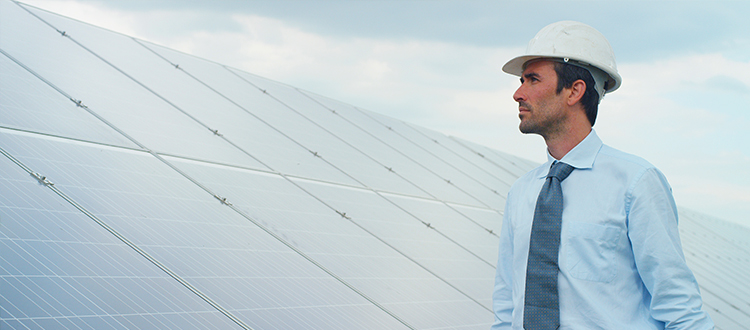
42, 179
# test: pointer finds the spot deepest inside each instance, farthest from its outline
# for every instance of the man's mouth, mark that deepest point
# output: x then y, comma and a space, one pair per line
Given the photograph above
523, 107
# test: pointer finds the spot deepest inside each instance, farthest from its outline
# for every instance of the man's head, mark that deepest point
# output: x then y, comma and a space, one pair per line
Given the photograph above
548, 105
579, 52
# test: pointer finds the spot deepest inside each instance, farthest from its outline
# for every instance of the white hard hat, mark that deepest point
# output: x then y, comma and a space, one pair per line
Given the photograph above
575, 43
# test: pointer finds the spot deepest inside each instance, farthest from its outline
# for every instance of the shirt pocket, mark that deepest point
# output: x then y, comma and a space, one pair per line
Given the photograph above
591, 251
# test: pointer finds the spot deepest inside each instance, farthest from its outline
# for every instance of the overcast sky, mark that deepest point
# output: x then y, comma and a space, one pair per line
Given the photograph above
684, 104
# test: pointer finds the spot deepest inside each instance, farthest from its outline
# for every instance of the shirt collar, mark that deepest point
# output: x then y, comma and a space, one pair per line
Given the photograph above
582, 156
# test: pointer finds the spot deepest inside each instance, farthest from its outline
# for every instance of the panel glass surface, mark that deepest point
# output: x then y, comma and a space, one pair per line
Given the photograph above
484, 218
179, 84
118, 99
342, 246
29, 104
469, 177
513, 165
61, 270
268, 102
421, 160
468, 159
464, 225
241, 122
235, 263
719, 260
431, 247
338, 127
346, 155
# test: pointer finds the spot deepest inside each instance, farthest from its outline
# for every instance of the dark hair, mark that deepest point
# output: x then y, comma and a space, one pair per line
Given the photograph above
567, 74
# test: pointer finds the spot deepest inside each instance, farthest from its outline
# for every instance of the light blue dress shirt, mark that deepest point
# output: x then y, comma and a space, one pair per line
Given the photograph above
621, 261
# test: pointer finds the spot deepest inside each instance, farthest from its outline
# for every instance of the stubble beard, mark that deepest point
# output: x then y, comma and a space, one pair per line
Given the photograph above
545, 124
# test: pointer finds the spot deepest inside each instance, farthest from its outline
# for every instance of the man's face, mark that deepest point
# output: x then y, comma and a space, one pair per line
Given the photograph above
540, 107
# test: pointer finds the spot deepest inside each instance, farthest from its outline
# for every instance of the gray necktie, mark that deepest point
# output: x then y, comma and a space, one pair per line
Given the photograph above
542, 307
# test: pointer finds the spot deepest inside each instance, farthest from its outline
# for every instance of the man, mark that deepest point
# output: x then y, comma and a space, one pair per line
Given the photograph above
595, 245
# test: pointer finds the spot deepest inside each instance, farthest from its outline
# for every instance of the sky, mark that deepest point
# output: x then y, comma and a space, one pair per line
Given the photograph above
684, 104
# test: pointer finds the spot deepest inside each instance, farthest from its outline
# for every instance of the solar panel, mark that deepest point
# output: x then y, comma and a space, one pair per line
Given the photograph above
92, 83
61, 270
332, 234
172, 221
141, 187
718, 254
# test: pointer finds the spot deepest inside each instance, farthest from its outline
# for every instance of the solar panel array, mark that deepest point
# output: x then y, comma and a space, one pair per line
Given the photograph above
141, 187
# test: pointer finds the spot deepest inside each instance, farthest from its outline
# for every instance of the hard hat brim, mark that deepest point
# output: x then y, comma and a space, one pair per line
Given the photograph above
516, 66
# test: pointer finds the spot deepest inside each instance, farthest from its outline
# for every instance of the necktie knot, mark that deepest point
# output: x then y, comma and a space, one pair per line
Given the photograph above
560, 171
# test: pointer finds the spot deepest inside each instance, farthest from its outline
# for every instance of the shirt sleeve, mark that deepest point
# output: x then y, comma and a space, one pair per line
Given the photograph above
502, 296
654, 237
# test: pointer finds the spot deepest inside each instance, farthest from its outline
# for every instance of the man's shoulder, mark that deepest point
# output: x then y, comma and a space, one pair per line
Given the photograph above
628, 168
617, 157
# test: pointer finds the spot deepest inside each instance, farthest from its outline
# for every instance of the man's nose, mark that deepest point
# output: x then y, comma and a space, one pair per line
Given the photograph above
518, 96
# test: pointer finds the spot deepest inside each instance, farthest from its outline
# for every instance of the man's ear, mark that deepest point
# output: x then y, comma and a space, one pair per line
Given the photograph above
576, 92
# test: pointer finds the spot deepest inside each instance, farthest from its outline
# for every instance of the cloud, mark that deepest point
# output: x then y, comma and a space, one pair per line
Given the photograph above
116, 20
688, 116
681, 96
